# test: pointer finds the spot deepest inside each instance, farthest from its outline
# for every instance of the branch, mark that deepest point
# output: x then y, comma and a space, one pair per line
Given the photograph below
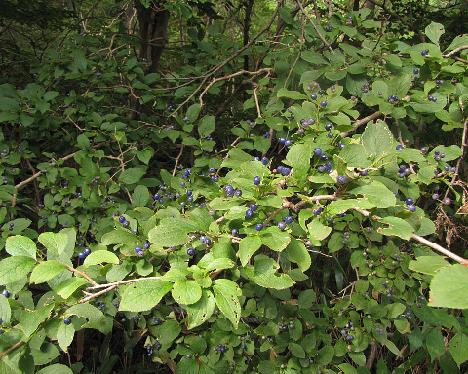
118, 283
362, 122
84, 275
322, 38
93, 295
229, 76
456, 50
11, 349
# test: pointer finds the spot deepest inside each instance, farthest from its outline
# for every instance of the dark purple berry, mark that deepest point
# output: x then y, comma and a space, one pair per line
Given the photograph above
67, 320
191, 252
281, 225
256, 180
259, 226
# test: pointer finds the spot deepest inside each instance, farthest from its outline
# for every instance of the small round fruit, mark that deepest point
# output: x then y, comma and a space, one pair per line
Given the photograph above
318, 151
191, 252
256, 180
122, 219
67, 320
281, 225
81, 255
341, 179
234, 232
259, 226
6, 293
323, 104
289, 219
87, 251
328, 127
409, 201
248, 213
411, 208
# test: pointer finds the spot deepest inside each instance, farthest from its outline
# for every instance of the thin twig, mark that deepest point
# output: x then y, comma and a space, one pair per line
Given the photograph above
362, 122
315, 27
11, 349
456, 50
257, 105
92, 296
84, 275
177, 160
117, 283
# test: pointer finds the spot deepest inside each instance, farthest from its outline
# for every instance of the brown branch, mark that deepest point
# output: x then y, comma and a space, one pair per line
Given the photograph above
456, 50
229, 76
11, 349
84, 275
177, 160
373, 355
362, 122
322, 38
257, 105
92, 296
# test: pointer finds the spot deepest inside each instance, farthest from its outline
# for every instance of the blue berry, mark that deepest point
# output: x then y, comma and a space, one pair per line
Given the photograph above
87, 251
324, 157
122, 219
146, 245
234, 232
265, 160
415, 71
189, 193
289, 219
256, 180
259, 226
248, 213
341, 146
411, 208
321, 168
318, 152
341, 179
214, 178
229, 190
432, 98
323, 104
425, 52
364, 172
81, 255
281, 225
328, 127
313, 96
288, 143
191, 252
212, 170
399, 147
349, 338
409, 201
253, 207
282, 141
67, 320
285, 171
238, 193
6, 293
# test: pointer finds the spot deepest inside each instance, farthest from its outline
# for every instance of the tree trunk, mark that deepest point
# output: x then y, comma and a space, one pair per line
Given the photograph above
246, 32
153, 28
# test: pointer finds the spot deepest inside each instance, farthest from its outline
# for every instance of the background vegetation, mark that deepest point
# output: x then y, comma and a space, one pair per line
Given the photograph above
233, 186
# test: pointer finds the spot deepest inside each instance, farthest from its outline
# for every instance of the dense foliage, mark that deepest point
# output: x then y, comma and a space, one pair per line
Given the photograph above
233, 187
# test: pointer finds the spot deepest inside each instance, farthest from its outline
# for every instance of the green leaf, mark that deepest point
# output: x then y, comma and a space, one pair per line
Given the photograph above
297, 252
435, 343
5, 310
434, 31
396, 227
45, 271
458, 348
298, 158
377, 139
226, 296
56, 244
202, 310
318, 231
274, 238
119, 237
395, 310
145, 155
55, 369
264, 274
20, 246
207, 126
131, 175
143, 295
283, 92
172, 231
30, 320
448, 287
341, 206
247, 247
140, 196
428, 264
99, 257
296, 350
65, 334
347, 368
14, 269
66, 288
193, 111
377, 194
186, 292
355, 156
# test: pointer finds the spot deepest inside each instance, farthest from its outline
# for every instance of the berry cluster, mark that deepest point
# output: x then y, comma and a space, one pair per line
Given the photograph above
283, 170
286, 142
286, 221
438, 155
392, 99
221, 348
410, 204
250, 212
124, 221
307, 122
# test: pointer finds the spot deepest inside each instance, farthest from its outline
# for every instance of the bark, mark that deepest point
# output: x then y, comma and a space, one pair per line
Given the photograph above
246, 32
153, 28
